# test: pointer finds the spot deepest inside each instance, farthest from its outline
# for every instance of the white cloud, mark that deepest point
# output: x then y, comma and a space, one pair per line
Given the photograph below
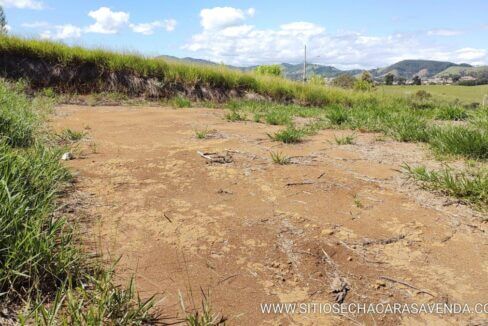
107, 21
471, 54
35, 25
22, 4
61, 32
222, 17
234, 42
444, 32
8, 28
149, 28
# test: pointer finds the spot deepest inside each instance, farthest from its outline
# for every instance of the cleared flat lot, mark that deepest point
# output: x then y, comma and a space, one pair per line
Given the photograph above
339, 221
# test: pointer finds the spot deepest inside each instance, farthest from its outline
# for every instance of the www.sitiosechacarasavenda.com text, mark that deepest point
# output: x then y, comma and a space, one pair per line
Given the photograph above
373, 308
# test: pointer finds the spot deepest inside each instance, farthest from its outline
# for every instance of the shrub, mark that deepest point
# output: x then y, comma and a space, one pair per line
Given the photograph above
344, 81
362, 85
269, 70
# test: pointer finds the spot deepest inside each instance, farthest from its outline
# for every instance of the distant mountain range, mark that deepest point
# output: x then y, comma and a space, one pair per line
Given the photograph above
406, 69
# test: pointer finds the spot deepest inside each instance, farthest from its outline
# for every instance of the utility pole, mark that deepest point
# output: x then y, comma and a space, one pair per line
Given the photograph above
305, 66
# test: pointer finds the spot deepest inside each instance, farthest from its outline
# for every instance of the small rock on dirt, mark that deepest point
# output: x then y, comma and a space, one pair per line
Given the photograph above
67, 156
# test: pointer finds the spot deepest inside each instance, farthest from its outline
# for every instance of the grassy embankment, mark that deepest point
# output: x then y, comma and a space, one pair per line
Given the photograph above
167, 73
45, 277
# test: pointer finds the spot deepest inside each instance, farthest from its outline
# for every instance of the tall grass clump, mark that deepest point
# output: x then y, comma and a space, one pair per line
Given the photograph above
17, 120
460, 140
36, 254
40, 259
451, 112
290, 135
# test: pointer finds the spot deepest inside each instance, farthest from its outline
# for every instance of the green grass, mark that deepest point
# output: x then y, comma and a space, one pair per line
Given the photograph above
345, 140
180, 102
70, 136
468, 186
290, 135
235, 115
277, 117
280, 158
395, 118
202, 133
17, 121
42, 268
460, 140
453, 113
449, 93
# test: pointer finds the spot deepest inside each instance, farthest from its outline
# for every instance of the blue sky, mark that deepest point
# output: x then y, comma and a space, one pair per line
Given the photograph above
346, 33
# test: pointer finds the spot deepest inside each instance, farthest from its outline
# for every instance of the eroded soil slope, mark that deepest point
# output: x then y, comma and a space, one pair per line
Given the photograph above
339, 223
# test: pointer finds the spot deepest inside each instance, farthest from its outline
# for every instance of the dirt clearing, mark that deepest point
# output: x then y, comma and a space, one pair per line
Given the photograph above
338, 224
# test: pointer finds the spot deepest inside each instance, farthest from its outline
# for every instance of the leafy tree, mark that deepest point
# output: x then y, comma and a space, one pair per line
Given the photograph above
269, 70
416, 80
344, 81
366, 77
401, 81
3, 22
389, 78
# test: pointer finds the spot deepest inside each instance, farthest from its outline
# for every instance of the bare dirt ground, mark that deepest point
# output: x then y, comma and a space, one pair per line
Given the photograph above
340, 223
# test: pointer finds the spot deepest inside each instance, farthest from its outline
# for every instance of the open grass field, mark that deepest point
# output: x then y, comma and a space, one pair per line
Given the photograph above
449, 93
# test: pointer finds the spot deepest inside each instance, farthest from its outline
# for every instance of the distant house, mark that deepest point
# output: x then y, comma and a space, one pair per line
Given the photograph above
467, 78
438, 81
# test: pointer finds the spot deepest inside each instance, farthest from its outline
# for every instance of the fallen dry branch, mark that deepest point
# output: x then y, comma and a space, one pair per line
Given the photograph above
216, 157
307, 182
394, 239
407, 285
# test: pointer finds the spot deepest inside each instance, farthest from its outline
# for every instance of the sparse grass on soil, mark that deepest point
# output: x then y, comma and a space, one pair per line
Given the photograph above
280, 158
44, 274
290, 135
180, 102
202, 133
396, 119
345, 140
468, 186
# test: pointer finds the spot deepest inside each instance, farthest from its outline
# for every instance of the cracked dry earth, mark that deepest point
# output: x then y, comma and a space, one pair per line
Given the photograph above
339, 223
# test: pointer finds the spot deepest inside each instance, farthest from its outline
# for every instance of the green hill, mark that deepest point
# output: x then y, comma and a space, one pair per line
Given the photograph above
406, 69
409, 68
460, 71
